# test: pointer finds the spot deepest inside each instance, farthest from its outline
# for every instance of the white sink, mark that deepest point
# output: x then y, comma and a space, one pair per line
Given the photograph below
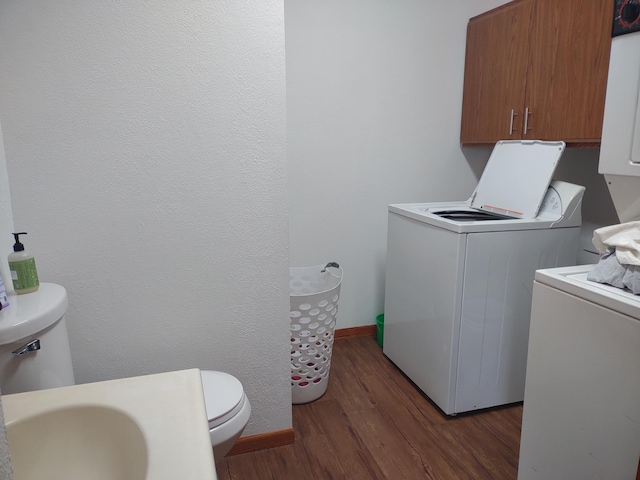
87, 442
150, 427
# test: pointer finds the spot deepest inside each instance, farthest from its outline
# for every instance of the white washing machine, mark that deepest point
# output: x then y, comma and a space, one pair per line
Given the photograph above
581, 415
459, 277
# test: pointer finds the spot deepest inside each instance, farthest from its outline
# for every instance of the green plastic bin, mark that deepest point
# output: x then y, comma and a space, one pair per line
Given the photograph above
380, 328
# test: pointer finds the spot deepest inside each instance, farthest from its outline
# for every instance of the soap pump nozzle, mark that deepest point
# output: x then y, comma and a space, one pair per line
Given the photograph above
18, 247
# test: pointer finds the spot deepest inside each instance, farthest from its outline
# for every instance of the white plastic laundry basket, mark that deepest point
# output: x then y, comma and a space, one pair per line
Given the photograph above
315, 292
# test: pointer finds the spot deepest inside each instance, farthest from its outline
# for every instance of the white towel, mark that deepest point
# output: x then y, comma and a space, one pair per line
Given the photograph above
624, 237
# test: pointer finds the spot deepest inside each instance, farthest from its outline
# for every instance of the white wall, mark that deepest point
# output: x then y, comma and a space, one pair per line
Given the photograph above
6, 228
146, 153
145, 146
6, 218
374, 94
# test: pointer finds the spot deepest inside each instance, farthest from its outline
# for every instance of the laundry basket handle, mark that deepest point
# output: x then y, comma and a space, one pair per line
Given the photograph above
330, 264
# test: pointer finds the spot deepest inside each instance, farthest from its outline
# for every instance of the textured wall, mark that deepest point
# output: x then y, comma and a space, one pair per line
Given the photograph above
374, 94
6, 218
145, 146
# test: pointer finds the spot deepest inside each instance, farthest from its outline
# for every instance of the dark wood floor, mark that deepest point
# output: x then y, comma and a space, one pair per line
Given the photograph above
373, 423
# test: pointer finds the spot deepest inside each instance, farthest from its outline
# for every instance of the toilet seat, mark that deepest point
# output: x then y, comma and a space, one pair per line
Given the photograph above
223, 395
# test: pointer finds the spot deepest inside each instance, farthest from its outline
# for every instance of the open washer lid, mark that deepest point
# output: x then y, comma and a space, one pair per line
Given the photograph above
223, 396
517, 177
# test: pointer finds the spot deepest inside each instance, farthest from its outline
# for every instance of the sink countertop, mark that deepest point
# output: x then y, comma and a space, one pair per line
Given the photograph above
168, 407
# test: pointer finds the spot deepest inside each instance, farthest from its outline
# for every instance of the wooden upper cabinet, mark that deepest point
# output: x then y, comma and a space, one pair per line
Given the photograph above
570, 62
495, 76
537, 69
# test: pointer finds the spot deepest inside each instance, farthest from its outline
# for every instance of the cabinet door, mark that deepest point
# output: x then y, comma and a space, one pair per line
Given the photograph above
495, 74
567, 79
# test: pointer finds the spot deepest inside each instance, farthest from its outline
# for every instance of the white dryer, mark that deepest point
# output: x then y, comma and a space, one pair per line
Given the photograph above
459, 277
581, 416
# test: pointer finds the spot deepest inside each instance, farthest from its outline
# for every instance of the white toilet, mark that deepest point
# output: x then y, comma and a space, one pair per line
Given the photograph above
228, 410
34, 346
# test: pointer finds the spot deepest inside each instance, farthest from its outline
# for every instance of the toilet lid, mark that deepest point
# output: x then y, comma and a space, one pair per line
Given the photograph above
223, 396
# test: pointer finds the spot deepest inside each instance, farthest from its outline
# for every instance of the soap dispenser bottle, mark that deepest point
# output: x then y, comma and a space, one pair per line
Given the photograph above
23, 268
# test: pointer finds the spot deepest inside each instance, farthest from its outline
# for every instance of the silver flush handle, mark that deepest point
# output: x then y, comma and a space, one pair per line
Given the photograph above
32, 346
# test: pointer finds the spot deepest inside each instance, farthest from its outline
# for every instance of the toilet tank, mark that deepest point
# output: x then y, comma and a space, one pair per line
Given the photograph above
34, 345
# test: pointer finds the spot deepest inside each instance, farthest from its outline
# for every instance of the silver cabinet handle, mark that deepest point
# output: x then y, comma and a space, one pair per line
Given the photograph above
32, 346
513, 115
526, 121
